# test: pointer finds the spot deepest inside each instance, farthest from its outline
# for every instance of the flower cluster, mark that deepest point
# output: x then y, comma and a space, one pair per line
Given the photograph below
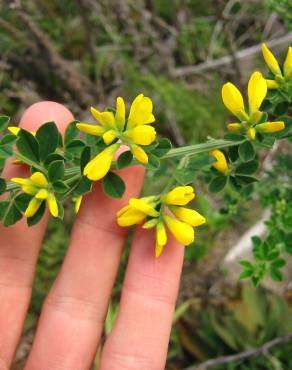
135, 131
158, 211
251, 121
38, 187
281, 78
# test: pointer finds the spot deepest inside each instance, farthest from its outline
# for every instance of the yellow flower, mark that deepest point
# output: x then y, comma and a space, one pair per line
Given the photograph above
183, 232
77, 203
233, 100
282, 78
288, 64
270, 127
180, 196
142, 135
141, 112
38, 186
189, 216
221, 164
100, 165
161, 239
136, 211
271, 61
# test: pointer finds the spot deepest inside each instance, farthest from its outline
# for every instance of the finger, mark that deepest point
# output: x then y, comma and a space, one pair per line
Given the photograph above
140, 336
19, 245
77, 304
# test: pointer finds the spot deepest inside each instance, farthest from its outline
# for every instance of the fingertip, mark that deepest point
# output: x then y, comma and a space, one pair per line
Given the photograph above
46, 111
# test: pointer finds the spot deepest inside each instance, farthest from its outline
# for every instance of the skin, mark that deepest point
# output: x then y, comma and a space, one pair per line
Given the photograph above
71, 322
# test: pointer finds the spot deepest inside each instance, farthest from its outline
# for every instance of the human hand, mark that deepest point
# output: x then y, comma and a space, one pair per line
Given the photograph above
73, 314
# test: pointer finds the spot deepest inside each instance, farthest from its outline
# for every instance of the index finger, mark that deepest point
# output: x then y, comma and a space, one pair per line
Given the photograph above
19, 245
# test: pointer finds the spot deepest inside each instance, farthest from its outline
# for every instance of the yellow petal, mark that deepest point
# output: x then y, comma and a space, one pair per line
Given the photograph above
20, 180
270, 127
52, 205
142, 135
288, 64
189, 216
141, 111
142, 206
120, 113
109, 136
232, 99
257, 91
90, 129
99, 166
221, 164
107, 119
161, 239
272, 84
77, 204
129, 216
14, 130
139, 154
42, 194
29, 189
235, 127
182, 232
271, 61
251, 133
33, 207
180, 196
39, 179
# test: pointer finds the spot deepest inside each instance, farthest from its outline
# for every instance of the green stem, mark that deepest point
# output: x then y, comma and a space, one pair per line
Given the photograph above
188, 150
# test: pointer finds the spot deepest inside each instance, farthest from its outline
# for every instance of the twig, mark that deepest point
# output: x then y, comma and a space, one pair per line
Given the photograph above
228, 59
243, 355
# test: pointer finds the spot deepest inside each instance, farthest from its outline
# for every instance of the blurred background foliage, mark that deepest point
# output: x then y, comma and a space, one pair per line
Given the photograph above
87, 52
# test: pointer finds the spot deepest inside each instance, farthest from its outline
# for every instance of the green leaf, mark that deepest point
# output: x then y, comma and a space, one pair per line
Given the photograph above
153, 162
56, 170
53, 157
245, 274
245, 180
163, 147
9, 213
31, 221
200, 162
84, 186
278, 263
71, 132
246, 264
48, 137
61, 211
2, 186
85, 157
21, 201
28, 146
281, 108
218, 183
247, 168
60, 187
276, 275
4, 121
234, 137
125, 159
113, 185
246, 151
184, 176
75, 147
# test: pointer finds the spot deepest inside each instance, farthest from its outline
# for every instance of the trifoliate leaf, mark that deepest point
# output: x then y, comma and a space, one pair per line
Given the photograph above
28, 146
125, 159
56, 170
113, 185
246, 151
48, 137
218, 183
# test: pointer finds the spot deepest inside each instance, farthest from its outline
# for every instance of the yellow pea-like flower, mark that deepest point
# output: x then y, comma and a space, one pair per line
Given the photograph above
139, 154
100, 165
145, 205
233, 99
37, 186
270, 127
251, 133
221, 163
77, 203
161, 239
288, 64
272, 84
235, 127
94, 130
271, 61
142, 135
189, 216
141, 112
183, 233
180, 196
32, 207
257, 91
